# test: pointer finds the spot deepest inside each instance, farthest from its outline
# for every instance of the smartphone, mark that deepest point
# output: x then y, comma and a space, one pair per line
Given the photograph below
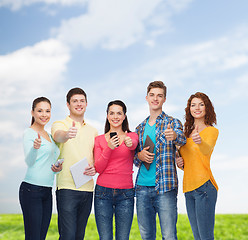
59, 161
179, 154
113, 134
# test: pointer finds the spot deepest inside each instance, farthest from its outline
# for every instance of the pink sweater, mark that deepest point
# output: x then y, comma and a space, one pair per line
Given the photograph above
115, 166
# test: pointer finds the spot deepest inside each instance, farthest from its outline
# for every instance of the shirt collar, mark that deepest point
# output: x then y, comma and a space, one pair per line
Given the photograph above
68, 119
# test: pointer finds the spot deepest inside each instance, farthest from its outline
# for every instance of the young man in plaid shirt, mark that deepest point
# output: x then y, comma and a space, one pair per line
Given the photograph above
156, 186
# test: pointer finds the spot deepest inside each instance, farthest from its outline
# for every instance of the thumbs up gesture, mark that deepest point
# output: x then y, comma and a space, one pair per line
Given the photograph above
72, 132
37, 142
170, 135
128, 141
196, 136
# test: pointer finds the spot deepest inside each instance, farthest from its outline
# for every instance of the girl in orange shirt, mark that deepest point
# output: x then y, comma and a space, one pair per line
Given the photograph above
199, 185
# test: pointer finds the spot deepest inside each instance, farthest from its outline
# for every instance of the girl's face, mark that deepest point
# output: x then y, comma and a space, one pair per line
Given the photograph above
115, 116
197, 108
42, 113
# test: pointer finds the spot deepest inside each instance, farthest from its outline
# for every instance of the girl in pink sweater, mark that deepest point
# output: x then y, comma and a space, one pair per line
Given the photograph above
114, 193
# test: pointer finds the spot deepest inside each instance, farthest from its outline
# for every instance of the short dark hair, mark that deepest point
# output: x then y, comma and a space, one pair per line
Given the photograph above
156, 84
125, 125
35, 102
73, 92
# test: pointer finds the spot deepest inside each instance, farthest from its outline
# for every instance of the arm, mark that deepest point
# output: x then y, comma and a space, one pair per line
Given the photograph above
131, 141
30, 151
61, 135
101, 156
174, 133
143, 156
136, 160
90, 169
208, 142
179, 162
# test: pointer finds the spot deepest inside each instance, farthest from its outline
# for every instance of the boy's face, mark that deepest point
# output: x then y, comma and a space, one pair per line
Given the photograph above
155, 98
78, 104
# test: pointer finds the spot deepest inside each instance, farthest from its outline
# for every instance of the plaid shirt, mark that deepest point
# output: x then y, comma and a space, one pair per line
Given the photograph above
166, 174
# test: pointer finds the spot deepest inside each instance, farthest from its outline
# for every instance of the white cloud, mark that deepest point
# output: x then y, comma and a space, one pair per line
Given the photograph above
239, 89
217, 55
221, 59
17, 4
10, 129
32, 70
116, 24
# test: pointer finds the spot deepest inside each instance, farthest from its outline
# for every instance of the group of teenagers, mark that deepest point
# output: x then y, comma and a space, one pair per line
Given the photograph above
112, 157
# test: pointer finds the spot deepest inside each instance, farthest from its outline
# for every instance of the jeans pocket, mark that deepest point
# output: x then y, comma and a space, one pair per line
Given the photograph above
129, 193
27, 187
202, 188
211, 186
100, 194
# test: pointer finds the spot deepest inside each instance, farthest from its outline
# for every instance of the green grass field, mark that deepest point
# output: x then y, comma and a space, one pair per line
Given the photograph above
227, 227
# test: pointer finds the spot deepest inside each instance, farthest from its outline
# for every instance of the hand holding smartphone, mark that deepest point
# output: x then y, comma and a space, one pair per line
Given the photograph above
112, 134
59, 161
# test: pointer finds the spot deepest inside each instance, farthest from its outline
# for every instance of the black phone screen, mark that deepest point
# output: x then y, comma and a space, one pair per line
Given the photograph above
113, 134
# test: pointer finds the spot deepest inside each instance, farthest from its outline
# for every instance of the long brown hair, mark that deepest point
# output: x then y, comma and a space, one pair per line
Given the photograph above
210, 117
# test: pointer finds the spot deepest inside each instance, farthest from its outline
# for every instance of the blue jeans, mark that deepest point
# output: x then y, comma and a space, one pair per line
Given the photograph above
36, 204
74, 208
200, 204
148, 204
109, 201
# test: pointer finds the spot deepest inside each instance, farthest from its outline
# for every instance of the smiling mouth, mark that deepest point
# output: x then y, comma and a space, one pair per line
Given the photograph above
115, 121
155, 103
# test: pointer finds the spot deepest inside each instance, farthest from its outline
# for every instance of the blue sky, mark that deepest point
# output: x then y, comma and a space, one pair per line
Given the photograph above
113, 49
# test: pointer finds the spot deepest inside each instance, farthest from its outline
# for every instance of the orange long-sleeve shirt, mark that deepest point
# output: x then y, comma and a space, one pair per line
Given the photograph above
197, 160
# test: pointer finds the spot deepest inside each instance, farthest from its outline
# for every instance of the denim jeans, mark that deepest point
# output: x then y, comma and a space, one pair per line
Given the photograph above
74, 208
36, 204
109, 201
200, 204
148, 204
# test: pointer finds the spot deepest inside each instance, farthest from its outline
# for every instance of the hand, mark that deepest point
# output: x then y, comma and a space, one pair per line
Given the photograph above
114, 142
179, 161
72, 132
170, 135
146, 156
128, 141
196, 136
90, 170
37, 142
57, 169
